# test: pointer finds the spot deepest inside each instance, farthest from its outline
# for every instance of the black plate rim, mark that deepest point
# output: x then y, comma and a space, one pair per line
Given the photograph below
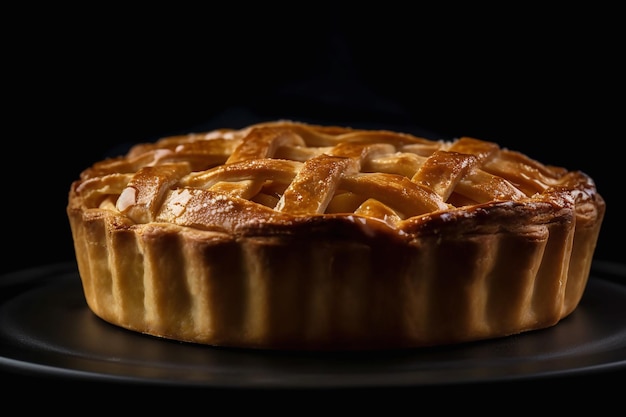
23, 281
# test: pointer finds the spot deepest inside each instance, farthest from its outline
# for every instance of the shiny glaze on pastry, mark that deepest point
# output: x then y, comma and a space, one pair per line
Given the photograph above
286, 235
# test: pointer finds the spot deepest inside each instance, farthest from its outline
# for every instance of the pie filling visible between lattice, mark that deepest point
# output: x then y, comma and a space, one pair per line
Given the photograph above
285, 235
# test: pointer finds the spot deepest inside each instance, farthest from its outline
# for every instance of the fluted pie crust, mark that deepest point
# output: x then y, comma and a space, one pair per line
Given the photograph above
286, 235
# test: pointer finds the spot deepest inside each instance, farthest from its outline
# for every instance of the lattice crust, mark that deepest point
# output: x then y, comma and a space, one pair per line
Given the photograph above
274, 172
292, 235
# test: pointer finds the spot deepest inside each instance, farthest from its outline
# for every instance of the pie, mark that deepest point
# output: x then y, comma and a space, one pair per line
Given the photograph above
289, 235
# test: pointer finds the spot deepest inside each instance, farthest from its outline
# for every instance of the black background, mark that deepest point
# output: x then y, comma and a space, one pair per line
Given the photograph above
82, 88
83, 84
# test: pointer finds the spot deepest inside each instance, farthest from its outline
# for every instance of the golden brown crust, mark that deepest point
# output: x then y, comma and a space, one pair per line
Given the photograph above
285, 235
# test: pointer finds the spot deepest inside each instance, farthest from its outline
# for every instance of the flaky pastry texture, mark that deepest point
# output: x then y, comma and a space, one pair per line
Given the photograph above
287, 235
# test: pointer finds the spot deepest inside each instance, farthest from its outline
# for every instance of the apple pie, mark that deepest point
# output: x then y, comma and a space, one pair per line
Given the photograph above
289, 235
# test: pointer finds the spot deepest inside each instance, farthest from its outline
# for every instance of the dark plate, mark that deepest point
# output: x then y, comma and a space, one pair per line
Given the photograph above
47, 329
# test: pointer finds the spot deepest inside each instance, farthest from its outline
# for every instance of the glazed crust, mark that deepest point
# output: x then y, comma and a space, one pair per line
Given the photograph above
285, 235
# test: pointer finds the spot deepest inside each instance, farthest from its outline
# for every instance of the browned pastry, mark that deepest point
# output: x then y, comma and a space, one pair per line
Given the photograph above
285, 235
